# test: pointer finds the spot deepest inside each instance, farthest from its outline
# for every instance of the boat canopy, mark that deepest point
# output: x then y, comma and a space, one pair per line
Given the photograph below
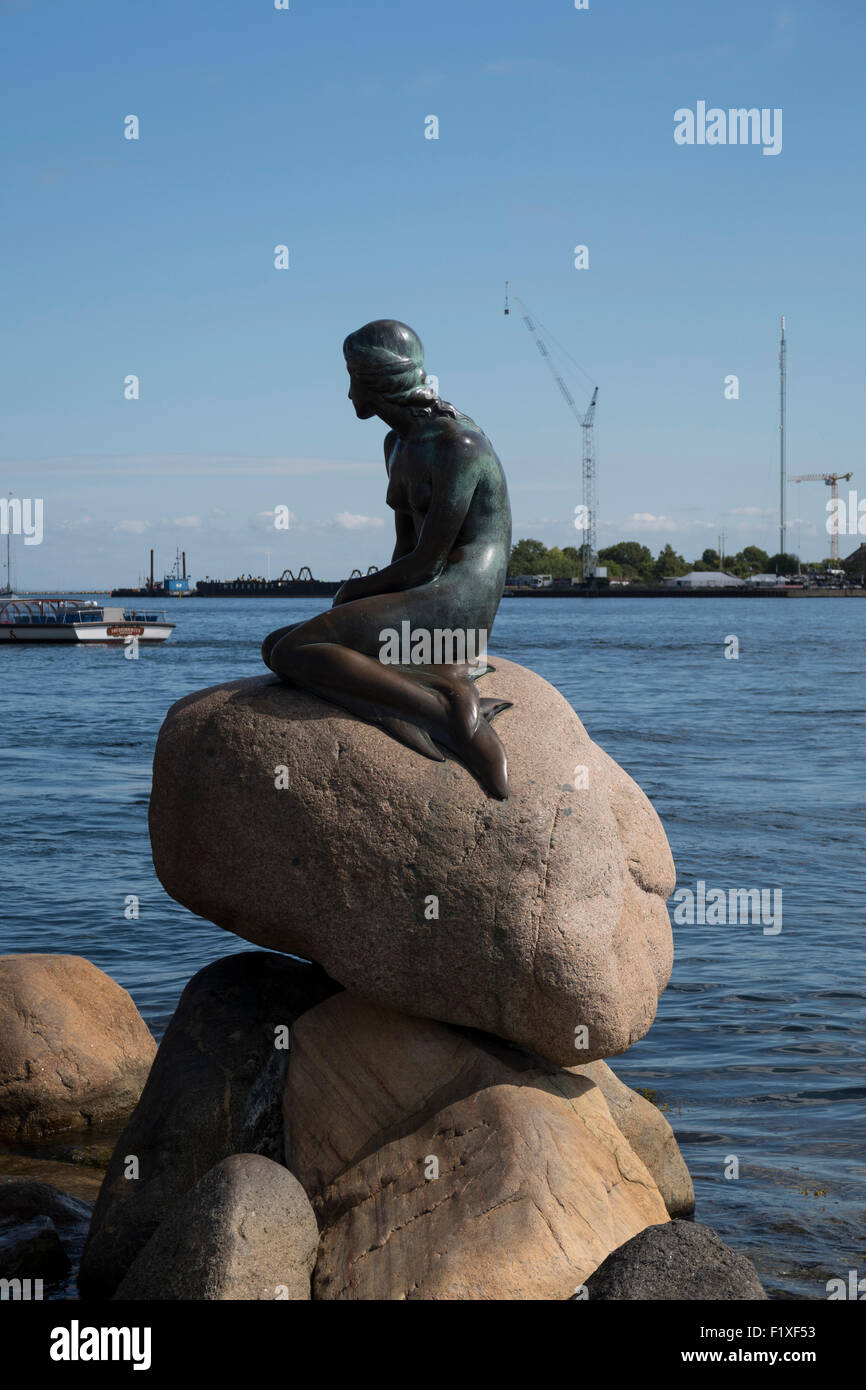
53, 611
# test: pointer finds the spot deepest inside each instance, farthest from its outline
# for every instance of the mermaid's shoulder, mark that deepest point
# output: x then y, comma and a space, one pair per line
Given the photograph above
460, 433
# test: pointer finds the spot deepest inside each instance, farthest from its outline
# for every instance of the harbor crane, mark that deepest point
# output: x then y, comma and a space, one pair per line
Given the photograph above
589, 517
832, 480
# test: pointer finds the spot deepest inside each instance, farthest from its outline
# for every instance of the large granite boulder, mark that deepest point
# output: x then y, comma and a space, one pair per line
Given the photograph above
678, 1261
74, 1050
649, 1134
444, 1165
541, 919
245, 1231
215, 1089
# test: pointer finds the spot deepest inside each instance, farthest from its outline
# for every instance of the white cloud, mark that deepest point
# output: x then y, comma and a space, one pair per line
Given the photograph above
75, 525
350, 521
185, 522
135, 528
646, 521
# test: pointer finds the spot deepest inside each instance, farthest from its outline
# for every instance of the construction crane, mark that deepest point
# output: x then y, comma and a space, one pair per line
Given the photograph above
589, 550
832, 480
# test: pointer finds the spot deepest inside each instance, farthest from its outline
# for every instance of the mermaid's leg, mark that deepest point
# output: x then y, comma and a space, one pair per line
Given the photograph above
491, 707
417, 705
336, 655
273, 638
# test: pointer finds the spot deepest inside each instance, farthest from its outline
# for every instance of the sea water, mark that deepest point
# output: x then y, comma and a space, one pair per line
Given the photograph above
756, 763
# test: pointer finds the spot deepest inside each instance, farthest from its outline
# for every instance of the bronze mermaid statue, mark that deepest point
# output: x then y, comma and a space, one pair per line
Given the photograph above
453, 540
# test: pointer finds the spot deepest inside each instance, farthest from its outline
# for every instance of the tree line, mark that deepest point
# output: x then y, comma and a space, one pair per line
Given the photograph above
633, 561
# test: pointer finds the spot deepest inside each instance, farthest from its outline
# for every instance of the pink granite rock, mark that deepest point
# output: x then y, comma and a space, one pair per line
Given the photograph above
301, 828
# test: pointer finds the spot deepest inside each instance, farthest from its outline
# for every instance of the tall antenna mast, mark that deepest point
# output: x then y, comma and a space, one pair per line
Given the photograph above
590, 493
782, 479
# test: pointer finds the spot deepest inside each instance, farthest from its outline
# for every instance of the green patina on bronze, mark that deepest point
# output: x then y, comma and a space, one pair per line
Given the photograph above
453, 538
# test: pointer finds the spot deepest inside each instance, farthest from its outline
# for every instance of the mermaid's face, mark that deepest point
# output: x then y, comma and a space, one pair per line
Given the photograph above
362, 400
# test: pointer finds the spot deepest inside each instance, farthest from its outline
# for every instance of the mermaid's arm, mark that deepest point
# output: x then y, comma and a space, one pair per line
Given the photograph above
455, 476
404, 527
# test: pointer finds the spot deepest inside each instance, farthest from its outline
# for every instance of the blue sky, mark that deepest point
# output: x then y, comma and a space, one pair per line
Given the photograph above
306, 128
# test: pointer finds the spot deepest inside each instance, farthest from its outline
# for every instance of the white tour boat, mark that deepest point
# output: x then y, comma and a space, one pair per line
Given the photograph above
25, 620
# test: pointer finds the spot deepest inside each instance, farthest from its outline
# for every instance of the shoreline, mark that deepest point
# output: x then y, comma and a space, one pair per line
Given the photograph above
653, 591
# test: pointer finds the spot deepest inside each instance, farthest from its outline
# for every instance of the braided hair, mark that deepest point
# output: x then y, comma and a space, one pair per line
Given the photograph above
387, 358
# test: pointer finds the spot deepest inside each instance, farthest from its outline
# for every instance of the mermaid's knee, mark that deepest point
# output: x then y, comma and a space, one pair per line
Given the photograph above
279, 656
273, 638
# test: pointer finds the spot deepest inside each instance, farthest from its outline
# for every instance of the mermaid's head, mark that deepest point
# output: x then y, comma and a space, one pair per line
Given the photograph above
385, 360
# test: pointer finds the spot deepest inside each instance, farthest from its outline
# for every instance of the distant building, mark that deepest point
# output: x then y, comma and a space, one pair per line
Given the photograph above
704, 579
855, 565
766, 580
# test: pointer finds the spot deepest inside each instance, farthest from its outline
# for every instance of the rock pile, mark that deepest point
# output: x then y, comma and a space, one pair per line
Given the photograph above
419, 1107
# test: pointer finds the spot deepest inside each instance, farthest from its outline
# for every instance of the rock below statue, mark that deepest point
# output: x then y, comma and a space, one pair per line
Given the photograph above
207, 1097
680, 1260
445, 1165
541, 919
245, 1231
649, 1134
